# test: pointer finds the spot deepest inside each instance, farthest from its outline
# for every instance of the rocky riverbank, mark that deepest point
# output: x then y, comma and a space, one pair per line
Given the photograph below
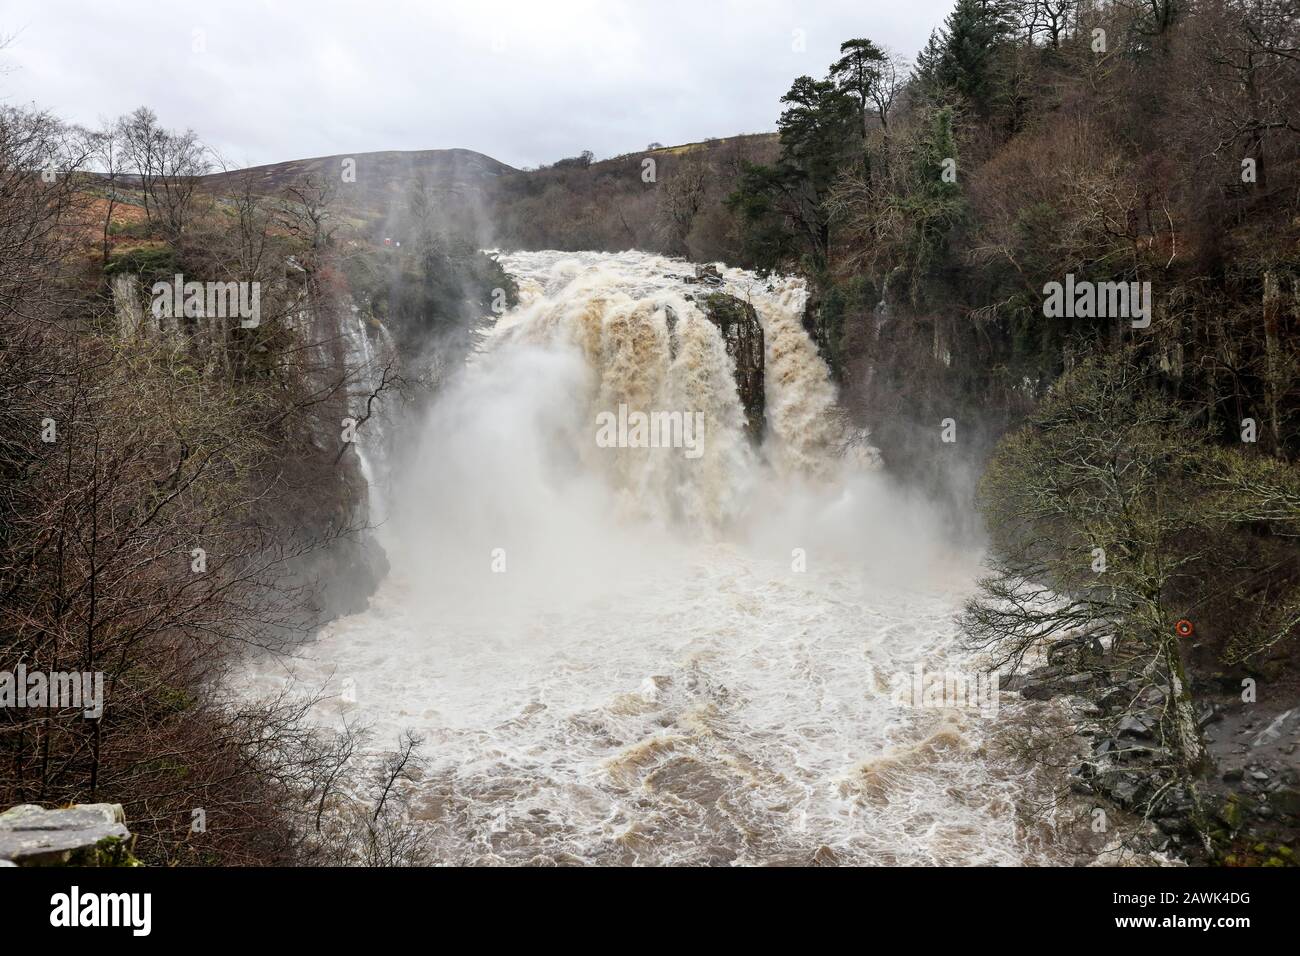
1244, 808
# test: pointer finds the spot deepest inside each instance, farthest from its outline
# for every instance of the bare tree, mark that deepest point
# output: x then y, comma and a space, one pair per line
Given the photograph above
679, 199
150, 533
167, 165
1051, 19
1108, 512
108, 155
1249, 76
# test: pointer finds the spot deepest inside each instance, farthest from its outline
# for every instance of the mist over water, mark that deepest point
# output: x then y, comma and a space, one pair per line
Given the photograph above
623, 655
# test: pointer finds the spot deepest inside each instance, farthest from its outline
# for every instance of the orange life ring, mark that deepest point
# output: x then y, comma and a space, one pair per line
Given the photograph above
1183, 628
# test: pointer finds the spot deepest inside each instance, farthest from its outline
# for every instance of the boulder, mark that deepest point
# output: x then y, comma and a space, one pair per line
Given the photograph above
1115, 698
1106, 746
1229, 812
1134, 726
90, 834
743, 335
706, 274
1124, 788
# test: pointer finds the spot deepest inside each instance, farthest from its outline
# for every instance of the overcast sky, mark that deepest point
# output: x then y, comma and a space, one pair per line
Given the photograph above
525, 81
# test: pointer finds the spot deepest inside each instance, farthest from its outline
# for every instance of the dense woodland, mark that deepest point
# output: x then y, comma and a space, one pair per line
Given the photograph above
1147, 475
178, 490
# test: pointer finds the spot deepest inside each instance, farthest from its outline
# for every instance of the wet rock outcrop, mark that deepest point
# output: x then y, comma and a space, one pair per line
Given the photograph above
1243, 811
91, 834
320, 506
743, 335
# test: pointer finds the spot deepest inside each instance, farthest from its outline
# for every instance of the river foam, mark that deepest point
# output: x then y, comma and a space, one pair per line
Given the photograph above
624, 655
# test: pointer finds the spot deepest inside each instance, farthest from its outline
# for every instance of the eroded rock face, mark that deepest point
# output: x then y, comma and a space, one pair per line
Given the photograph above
91, 834
743, 335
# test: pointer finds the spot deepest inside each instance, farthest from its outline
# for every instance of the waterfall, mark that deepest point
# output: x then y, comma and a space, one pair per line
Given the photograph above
366, 366
678, 650
636, 322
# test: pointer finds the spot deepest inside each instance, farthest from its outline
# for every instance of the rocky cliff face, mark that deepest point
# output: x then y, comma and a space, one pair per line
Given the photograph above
320, 491
743, 335
347, 335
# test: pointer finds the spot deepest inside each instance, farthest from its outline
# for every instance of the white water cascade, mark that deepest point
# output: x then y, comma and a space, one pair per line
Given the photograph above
626, 655
366, 363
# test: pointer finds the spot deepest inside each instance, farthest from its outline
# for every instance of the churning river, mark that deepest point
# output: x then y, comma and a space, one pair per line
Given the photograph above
623, 655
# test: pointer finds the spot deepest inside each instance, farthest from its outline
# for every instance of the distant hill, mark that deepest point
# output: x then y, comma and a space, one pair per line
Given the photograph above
376, 191
623, 202
574, 203
388, 171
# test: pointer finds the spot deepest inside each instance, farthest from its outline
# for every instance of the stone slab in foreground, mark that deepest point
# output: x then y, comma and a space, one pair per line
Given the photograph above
90, 834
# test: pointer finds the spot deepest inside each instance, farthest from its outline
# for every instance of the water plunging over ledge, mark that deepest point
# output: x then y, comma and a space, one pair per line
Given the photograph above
627, 655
